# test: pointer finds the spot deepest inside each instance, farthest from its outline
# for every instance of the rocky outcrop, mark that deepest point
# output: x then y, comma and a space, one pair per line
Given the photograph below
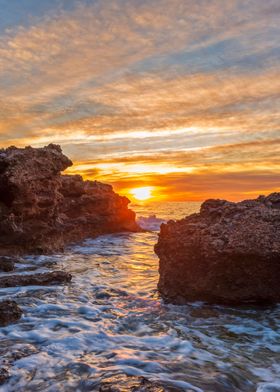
37, 279
124, 383
9, 312
92, 208
228, 253
7, 264
41, 211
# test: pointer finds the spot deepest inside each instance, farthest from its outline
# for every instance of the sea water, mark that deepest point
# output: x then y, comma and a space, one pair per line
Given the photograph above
110, 319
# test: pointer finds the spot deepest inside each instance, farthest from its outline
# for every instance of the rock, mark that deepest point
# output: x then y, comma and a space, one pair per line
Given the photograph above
38, 279
4, 375
123, 383
229, 253
9, 312
93, 208
7, 264
10, 351
41, 211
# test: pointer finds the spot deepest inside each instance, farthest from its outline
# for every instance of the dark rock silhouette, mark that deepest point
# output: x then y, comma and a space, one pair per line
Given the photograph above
41, 211
228, 253
37, 279
9, 312
7, 264
4, 375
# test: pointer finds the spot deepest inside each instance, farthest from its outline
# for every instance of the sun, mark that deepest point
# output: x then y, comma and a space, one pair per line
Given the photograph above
143, 193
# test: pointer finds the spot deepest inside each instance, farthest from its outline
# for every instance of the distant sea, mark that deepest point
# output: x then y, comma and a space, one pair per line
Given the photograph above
150, 215
111, 320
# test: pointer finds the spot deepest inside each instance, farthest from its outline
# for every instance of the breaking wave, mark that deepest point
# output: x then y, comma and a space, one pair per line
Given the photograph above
151, 223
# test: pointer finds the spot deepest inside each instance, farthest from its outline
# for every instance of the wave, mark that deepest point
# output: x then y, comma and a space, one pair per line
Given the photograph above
151, 222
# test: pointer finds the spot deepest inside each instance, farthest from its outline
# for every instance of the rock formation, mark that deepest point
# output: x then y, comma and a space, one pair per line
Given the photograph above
4, 375
9, 312
7, 264
37, 279
41, 210
228, 253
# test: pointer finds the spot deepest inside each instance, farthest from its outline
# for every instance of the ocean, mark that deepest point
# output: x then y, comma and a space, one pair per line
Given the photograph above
111, 320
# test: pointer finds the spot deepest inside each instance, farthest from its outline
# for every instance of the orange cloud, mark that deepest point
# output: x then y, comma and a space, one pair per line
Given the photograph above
179, 94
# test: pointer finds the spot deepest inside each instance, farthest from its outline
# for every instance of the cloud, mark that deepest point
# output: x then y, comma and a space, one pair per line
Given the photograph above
169, 85
230, 171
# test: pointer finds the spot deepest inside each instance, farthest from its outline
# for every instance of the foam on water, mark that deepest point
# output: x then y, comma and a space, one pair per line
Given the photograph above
151, 222
110, 319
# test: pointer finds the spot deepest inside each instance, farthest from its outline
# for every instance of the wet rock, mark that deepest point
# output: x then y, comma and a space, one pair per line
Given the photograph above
41, 211
228, 253
38, 279
9, 312
123, 383
93, 208
204, 312
4, 375
11, 351
7, 264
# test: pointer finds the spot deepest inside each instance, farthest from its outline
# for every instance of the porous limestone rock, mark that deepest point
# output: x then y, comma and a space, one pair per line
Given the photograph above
227, 253
9, 312
41, 210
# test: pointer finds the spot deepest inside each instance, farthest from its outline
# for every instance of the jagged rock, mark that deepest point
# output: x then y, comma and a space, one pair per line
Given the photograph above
123, 383
9, 312
7, 264
41, 211
38, 279
228, 253
93, 208
4, 375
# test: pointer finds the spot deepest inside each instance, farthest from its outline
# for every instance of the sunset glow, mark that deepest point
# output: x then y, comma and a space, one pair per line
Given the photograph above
144, 193
195, 113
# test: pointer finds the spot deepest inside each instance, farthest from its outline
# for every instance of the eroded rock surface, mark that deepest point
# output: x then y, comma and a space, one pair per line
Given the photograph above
4, 375
123, 383
9, 312
41, 211
37, 279
7, 264
228, 253
93, 208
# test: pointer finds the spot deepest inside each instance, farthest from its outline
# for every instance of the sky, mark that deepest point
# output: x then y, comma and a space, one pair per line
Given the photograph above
178, 95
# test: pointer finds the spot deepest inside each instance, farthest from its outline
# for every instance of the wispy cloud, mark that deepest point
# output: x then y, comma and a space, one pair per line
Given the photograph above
150, 87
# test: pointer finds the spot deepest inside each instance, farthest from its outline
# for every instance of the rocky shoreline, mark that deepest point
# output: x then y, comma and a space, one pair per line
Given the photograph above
228, 253
42, 211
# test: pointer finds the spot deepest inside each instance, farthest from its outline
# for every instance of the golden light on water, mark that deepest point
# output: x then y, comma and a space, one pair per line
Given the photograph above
142, 193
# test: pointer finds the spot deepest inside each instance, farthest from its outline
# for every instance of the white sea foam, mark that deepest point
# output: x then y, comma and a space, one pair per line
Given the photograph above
151, 222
